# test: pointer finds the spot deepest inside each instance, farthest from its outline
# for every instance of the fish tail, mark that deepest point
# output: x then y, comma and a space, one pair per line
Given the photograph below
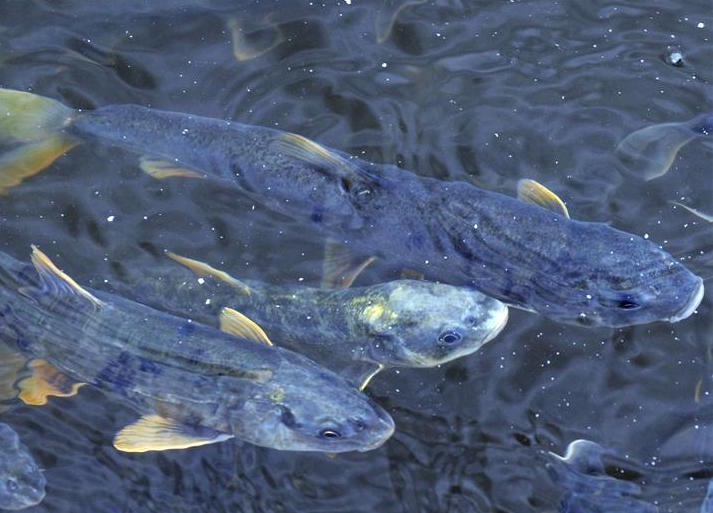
36, 124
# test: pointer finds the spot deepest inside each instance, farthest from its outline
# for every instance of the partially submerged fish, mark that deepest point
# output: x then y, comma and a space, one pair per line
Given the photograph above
358, 330
588, 489
192, 384
707, 504
650, 151
527, 256
22, 483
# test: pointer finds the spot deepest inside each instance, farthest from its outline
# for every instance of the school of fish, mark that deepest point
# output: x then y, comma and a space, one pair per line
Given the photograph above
202, 361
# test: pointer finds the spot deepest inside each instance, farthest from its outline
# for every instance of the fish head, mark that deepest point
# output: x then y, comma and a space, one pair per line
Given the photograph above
22, 484
627, 280
306, 407
413, 323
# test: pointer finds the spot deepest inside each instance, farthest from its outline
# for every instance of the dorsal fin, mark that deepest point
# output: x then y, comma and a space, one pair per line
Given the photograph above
534, 192
235, 323
341, 267
201, 268
58, 282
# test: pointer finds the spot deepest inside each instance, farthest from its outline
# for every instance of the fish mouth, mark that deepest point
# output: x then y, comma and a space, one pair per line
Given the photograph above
693, 302
387, 428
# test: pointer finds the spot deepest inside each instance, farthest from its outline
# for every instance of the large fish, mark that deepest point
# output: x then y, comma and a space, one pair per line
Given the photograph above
22, 483
191, 384
520, 253
357, 330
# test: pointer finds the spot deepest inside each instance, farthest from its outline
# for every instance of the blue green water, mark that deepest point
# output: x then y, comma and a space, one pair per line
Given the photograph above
487, 91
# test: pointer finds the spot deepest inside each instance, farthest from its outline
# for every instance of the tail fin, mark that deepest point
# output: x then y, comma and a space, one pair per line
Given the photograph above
37, 123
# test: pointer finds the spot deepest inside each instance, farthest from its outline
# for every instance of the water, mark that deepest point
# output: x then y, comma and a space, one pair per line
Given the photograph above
487, 91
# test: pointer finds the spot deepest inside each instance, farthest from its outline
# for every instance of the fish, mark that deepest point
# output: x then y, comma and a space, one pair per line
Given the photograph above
588, 489
356, 331
22, 483
649, 152
526, 252
190, 384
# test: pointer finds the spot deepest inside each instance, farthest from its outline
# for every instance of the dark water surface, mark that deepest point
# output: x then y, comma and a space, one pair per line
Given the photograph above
489, 91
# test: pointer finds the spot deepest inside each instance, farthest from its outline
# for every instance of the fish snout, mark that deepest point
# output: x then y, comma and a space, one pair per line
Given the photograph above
694, 300
381, 430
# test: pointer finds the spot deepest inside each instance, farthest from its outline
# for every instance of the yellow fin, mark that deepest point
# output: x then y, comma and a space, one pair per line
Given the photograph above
45, 381
160, 169
30, 117
58, 280
203, 269
299, 147
235, 323
156, 433
243, 50
30, 159
697, 391
534, 192
341, 267
366, 379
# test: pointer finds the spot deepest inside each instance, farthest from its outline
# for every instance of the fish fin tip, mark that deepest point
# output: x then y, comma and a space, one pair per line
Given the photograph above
203, 269
161, 169
157, 433
530, 191
300, 148
235, 323
58, 281
360, 374
45, 382
341, 267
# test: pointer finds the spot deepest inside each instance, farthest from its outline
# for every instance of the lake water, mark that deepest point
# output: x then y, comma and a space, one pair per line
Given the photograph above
488, 91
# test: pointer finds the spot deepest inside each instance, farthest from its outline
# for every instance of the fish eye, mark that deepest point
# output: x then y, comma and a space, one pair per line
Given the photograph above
627, 303
449, 337
329, 434
11, 485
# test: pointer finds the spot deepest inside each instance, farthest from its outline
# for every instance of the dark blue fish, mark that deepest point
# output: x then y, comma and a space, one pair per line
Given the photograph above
522, 254
587, 487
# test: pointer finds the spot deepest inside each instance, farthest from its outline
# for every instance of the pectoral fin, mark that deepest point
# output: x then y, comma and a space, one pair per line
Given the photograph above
341, 267
160, 169
697, 213
235, 323
31, 158
56, 282
45, 382
203, 269
156, 433
530, 191
361, 373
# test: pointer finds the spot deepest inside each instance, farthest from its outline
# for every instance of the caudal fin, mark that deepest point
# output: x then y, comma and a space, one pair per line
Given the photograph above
36, 124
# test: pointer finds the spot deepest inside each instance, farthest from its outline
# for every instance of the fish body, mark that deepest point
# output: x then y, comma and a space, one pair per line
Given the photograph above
588, 489
193, 384
22, 483
519, 253
403, 323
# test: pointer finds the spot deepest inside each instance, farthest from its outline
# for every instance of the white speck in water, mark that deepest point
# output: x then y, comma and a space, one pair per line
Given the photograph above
589, 296
383, 64
184, 131
646, 236
701, 24
111, 219
475, 226
207, 301
348, 2
201, 281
